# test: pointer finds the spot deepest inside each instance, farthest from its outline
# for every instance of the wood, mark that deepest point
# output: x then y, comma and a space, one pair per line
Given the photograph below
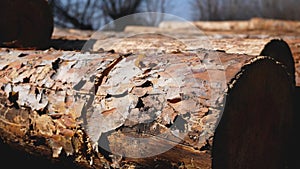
254, 144
25, 23
152, 99
52, 100
252, 24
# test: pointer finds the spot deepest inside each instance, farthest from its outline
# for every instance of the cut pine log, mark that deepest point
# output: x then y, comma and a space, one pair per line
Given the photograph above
174, 109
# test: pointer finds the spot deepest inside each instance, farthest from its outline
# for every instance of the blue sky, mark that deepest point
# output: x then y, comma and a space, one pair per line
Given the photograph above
182, 8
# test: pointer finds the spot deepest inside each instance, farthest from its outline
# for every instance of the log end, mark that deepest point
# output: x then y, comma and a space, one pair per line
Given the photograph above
255, 127
279, 50
25, 24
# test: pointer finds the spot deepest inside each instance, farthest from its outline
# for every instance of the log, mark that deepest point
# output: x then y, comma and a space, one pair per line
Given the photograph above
232, 145
248, 25
25, 24
160, 105
219, 36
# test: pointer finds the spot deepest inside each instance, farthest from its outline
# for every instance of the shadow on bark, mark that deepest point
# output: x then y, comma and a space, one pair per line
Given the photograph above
65, 44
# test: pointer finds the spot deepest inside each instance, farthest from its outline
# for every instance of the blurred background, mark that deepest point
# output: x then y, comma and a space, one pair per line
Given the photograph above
94, 14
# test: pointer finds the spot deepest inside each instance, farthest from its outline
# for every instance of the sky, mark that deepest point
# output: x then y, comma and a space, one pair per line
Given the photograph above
182, 8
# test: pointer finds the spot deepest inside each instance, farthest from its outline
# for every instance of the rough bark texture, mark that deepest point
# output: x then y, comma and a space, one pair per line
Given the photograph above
152, 100
25, 23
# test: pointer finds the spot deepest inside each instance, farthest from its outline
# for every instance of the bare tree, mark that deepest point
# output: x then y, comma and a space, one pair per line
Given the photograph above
82, 14
156, 9
119, 8
245, 9
116, 9
92, 14
207, 9
279, 9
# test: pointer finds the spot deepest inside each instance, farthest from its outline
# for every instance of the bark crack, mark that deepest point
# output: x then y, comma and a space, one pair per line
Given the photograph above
100, 78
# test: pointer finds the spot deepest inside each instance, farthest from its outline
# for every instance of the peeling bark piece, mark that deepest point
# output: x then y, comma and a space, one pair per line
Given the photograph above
25, 23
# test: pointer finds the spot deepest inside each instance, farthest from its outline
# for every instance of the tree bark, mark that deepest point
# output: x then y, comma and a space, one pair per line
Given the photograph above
147, 108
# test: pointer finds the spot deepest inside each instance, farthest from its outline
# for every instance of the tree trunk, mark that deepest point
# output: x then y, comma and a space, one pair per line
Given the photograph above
147, 108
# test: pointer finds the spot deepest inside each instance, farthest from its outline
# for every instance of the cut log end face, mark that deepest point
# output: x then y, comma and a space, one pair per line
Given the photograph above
279, 50
256, 124
25, 24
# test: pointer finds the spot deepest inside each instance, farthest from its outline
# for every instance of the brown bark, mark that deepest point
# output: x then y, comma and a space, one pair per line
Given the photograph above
25, 23
153, 103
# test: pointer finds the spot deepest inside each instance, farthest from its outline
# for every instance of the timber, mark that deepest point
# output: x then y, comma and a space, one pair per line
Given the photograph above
152, 100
